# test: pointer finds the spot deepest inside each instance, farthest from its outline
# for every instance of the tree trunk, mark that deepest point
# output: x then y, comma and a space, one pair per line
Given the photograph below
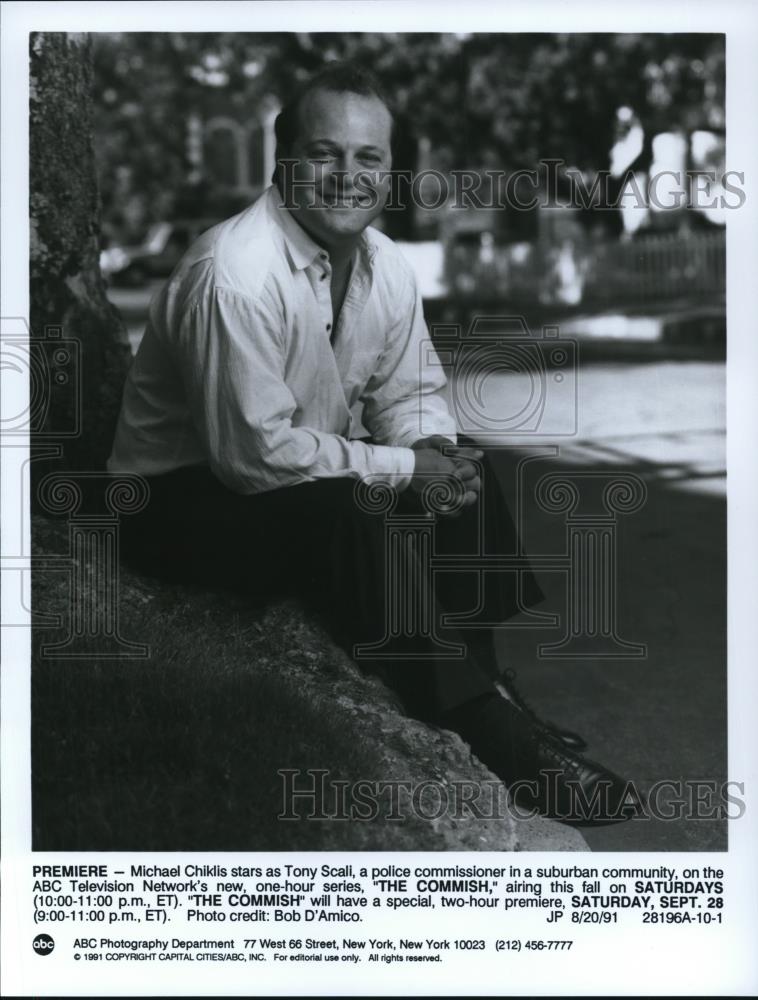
76, 398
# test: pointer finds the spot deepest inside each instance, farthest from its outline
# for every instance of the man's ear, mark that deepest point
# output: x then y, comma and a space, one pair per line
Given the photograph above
282, 176
279, 154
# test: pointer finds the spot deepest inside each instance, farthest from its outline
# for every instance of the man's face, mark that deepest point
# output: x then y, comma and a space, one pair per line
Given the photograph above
343, 157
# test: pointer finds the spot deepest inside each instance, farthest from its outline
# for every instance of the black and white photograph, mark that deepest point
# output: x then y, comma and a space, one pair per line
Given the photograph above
291, 273
367, 437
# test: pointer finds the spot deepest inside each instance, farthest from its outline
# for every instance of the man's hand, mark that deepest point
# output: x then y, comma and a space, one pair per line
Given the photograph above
438, 443
431, 463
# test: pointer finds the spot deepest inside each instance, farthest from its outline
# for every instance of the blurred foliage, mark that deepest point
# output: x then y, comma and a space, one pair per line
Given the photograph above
501, 101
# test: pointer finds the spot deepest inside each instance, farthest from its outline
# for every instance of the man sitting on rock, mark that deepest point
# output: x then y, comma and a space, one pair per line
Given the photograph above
237, 410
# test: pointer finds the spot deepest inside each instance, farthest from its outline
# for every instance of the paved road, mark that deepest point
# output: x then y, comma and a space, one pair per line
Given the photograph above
662, 717
667, 416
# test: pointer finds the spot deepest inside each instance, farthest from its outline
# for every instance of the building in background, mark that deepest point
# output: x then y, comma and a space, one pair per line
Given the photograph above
232, 150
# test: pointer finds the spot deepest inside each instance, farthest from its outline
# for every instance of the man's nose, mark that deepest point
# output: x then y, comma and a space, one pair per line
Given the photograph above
341, 173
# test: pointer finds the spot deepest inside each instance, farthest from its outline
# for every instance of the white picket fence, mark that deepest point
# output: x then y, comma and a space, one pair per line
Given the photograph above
652, 267
658, 266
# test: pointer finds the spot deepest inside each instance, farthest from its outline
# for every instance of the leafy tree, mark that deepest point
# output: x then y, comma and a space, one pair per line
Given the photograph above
505, 100
67, 296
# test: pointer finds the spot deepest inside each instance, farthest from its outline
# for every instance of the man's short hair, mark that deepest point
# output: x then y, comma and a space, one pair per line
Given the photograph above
338, 77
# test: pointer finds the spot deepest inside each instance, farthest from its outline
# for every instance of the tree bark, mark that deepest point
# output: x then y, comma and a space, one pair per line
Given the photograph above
67, 293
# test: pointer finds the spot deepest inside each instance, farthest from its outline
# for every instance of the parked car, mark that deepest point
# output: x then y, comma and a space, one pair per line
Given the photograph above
156, 256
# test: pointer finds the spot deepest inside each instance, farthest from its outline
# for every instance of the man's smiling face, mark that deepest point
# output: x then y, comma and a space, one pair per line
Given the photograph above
342, 149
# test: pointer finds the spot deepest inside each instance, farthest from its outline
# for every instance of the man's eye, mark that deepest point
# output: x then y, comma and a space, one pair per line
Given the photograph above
321, 156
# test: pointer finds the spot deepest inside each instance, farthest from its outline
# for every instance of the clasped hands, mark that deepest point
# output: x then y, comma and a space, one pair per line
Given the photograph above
456, 462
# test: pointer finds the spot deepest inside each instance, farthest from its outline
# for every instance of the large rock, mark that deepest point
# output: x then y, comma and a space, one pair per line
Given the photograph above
410, 750
258, 690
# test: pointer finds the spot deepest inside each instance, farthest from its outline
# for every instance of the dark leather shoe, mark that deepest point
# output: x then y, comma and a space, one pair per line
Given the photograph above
508, 688
542, 774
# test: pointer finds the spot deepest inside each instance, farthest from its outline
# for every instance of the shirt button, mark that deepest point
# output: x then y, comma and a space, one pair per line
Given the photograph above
323, 276
328, 326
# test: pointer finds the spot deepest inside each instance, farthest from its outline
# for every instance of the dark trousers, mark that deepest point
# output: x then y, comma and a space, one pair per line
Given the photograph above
316, 542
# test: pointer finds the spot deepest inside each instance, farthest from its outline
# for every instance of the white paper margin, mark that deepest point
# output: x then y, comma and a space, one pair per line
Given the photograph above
662, 967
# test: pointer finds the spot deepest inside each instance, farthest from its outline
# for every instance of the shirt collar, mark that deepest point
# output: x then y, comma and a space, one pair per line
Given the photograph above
301, 248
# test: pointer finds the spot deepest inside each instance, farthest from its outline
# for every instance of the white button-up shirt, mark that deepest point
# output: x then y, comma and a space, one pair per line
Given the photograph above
237, 368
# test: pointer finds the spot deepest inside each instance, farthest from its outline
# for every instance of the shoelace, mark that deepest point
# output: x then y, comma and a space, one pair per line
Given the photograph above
512, 690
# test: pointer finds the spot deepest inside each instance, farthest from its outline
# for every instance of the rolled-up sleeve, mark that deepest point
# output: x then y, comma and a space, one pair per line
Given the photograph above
404, 399
229, 350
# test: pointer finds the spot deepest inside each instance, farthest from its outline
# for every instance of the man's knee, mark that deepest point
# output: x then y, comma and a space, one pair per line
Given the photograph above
352, 497
335, 493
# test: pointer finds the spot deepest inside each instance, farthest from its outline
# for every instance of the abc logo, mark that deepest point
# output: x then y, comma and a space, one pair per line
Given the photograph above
43, 944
